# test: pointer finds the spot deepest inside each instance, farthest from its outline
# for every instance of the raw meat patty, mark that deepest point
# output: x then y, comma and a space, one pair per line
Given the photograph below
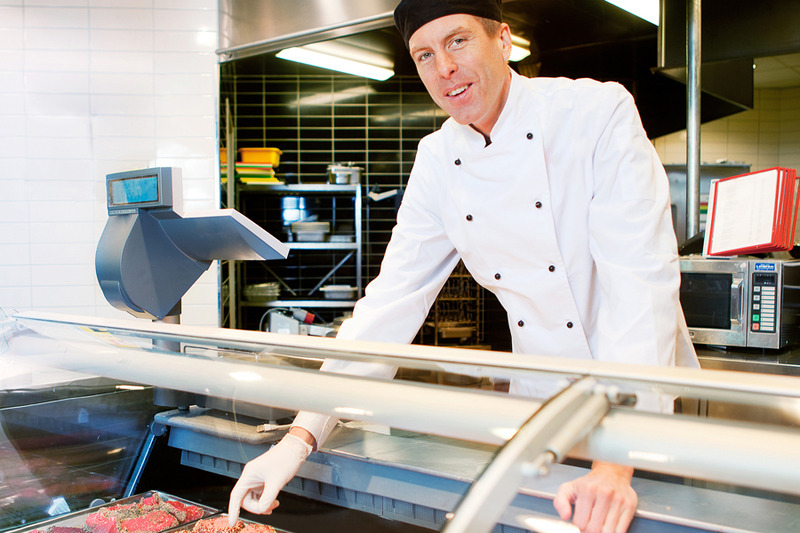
152, 522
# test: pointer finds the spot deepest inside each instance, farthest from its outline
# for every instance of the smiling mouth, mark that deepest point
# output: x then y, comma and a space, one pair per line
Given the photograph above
458, 90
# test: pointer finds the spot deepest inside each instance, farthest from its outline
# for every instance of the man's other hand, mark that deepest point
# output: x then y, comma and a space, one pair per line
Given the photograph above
603, 499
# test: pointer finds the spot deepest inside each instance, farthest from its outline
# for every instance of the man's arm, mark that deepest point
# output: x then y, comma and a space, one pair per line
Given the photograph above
634, 250
633, 246
304, 435
417, 263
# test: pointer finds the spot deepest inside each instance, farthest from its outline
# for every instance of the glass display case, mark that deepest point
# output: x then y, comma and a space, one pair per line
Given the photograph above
80, 423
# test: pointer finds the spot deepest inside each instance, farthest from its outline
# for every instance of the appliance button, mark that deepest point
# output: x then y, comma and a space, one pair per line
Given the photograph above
755, 327
756, 307
756, 289
756, 297
756, 318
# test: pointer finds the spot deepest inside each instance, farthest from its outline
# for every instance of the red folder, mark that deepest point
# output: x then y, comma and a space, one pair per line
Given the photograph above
752, 213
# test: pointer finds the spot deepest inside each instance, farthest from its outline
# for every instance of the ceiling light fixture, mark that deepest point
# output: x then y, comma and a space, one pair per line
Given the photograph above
520, 48
646, 9
342, 57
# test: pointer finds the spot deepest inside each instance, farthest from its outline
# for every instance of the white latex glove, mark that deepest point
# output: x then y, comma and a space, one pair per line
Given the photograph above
264, 476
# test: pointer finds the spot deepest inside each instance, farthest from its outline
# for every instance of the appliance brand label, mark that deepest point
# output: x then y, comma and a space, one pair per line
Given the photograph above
765, 267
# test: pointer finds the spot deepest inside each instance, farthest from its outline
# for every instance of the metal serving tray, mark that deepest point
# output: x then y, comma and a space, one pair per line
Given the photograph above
77, 519
188, 528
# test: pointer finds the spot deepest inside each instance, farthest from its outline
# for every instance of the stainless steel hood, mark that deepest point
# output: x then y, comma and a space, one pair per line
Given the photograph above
248, 27
572, 38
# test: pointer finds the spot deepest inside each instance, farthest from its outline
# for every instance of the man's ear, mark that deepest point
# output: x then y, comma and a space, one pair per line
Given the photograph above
505, 40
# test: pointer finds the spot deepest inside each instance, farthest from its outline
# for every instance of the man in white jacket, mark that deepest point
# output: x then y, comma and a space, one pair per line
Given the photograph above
554, 198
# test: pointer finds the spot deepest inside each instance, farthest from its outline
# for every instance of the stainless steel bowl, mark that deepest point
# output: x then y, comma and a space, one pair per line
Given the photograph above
344, 174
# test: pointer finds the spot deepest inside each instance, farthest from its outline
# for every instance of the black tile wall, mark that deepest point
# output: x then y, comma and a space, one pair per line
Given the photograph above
320, 119
317, 120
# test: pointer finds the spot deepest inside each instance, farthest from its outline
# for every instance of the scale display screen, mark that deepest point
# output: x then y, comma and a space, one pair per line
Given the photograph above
132, 191
148, 188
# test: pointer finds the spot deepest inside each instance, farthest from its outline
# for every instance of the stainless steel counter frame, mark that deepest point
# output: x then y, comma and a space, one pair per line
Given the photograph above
272, 370
784, 363
417, 479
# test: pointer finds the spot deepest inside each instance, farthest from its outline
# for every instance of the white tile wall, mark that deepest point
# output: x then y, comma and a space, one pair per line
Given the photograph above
764, 137
89, 87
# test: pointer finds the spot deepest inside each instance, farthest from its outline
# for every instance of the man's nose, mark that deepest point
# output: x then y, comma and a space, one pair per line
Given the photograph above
445, 65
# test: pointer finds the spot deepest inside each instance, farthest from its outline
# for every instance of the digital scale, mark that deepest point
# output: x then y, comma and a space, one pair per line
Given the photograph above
149, 254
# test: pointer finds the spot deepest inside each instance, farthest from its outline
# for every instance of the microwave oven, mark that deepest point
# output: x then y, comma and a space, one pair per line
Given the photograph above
744, 302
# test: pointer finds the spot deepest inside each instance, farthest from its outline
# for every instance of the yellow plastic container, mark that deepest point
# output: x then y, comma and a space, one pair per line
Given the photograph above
271, 156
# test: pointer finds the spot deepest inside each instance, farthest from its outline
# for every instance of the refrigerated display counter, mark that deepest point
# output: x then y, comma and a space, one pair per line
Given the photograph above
86, 415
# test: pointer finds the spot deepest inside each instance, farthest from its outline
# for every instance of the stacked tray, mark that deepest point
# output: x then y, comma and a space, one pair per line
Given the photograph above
150, 511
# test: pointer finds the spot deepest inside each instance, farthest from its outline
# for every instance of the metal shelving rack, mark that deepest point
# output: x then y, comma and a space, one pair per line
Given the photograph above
301, 285
457, 315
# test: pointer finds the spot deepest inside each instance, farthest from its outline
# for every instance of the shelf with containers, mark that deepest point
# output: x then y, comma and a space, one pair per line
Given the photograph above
322, 225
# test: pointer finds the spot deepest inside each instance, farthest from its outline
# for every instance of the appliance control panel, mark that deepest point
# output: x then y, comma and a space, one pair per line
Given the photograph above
764, 300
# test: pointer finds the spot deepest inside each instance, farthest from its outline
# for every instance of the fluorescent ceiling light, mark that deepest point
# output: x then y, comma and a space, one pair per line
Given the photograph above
520, 48
646, 9
341, 58
333, 98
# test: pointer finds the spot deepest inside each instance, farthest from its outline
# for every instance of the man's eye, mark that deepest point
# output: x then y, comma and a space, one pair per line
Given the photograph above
423, 56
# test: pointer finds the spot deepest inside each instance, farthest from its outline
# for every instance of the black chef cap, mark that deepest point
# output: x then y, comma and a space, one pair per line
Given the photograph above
411, 15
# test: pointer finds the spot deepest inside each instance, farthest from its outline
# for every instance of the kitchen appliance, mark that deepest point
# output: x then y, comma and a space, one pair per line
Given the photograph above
744, 302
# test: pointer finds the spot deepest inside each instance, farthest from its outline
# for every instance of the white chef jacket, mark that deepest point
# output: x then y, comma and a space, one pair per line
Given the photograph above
565, 217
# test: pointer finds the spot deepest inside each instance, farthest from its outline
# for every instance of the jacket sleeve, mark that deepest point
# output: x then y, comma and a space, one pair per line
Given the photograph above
417, 263
633, 246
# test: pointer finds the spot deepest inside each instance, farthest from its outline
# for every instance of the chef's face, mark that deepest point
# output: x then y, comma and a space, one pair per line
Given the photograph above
464, 68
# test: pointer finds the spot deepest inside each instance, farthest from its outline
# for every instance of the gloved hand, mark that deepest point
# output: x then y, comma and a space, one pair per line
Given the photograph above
264, 476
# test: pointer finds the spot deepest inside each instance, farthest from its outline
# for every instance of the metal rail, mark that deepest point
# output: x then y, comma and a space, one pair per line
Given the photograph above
756, 389
693, 118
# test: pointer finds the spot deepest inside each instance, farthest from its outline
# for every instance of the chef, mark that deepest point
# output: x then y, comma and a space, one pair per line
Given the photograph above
554, 198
